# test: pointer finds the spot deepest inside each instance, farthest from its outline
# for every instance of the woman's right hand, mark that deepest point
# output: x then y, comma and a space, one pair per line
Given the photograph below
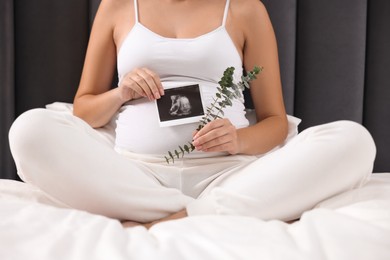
141, 82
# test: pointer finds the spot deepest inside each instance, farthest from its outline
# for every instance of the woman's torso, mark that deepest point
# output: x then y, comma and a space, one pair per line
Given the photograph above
178, 61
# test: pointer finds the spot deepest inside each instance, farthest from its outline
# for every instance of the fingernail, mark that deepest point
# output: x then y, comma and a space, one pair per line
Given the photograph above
195, 143
157, 95
162, 91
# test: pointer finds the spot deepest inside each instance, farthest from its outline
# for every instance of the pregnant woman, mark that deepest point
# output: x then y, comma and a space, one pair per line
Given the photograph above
159, 43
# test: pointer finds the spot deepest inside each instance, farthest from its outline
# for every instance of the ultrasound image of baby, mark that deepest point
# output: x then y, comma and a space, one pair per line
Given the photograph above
181, 106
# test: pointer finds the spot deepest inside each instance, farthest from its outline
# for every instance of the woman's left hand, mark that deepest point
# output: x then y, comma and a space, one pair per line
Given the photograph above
219, 135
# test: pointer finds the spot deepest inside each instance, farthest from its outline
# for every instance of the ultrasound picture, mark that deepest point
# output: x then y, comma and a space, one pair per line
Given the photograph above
180, 105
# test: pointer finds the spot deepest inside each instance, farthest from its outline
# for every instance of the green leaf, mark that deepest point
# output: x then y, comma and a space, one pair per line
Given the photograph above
246, 84
227, 91
215, 116
171, 155
192, 147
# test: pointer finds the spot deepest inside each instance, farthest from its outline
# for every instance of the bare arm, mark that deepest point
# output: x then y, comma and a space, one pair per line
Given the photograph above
94, 101
260, 49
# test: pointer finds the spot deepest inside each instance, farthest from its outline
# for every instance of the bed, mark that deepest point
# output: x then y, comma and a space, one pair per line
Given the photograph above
352, 225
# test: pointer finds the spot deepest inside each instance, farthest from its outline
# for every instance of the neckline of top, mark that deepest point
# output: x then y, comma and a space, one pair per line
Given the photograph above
221, 27
225, 13
210, 33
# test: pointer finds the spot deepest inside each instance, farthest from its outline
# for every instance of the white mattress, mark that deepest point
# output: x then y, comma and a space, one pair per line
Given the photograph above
353, 225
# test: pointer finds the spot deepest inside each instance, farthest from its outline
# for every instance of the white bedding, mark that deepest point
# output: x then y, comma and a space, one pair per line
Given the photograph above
353, 225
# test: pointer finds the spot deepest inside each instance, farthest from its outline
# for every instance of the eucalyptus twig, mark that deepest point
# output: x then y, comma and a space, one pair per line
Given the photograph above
226, 92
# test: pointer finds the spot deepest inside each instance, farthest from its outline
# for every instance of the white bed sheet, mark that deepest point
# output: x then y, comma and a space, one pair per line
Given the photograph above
353, 225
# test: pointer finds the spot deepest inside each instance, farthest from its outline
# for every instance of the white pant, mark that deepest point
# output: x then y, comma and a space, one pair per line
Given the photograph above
70, 161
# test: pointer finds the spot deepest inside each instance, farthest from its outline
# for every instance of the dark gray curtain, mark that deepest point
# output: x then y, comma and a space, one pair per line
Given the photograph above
6, 85
335, 62
334, 59
331, 49
42, 49
50, 42
376, 116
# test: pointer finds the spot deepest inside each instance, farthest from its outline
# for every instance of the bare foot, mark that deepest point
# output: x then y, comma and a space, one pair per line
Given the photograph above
127, 224
177, 215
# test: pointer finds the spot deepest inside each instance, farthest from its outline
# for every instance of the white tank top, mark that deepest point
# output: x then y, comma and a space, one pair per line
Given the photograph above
179, 62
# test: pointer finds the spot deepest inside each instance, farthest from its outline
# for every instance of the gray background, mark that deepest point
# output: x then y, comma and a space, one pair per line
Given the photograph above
334, 55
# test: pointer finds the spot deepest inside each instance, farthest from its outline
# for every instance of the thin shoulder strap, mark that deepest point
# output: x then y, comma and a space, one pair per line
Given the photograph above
136, 11
225, 13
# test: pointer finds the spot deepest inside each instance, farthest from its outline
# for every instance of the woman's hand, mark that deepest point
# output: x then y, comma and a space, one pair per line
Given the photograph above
217, 136
141, 82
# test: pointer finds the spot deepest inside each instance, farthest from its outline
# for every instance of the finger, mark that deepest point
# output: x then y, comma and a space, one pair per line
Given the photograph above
209, 127
147, 81
144, 81
212, 135
156, 80
136, 83
217, 143
132, 86
194, 133
226, 147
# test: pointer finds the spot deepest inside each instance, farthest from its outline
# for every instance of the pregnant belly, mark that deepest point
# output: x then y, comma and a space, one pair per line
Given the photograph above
138, 130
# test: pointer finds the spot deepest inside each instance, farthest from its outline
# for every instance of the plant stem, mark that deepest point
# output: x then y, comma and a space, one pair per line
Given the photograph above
227, 91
